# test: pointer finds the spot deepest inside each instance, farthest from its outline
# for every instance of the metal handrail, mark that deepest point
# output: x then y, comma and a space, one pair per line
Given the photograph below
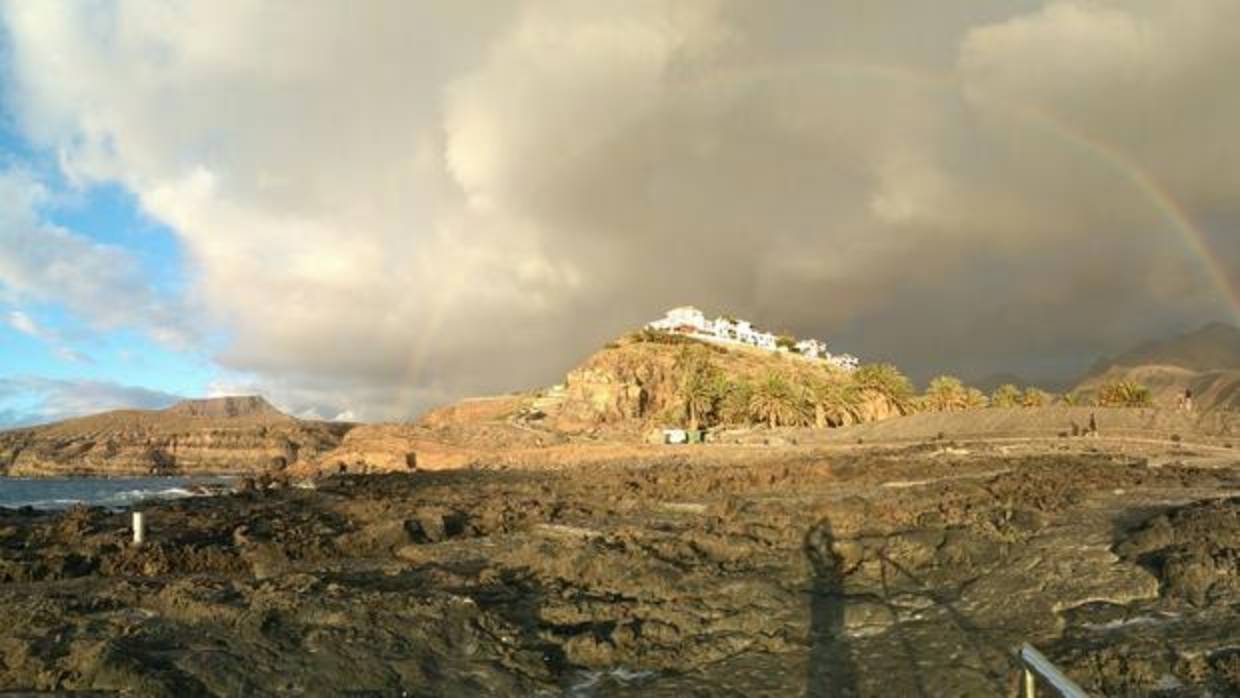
1035, 665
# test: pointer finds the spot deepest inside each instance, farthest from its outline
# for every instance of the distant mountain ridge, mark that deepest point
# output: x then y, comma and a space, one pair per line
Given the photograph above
1205, 361
226, 407
237, 434
1215, 346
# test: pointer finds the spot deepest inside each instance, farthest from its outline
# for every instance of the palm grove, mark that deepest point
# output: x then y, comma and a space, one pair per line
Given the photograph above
824, 396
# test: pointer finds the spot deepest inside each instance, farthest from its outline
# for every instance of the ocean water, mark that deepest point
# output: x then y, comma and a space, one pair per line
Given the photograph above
120, 492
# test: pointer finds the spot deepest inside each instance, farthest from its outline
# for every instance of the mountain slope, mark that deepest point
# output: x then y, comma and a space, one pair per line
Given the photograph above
219, 435
1214, 346
1205, 361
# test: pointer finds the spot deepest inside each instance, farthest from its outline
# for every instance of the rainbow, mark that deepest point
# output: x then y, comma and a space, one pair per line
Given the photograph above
1144, 183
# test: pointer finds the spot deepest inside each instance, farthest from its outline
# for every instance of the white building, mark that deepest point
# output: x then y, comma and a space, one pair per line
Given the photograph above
812, 348
683, 319
689, 320
848, 362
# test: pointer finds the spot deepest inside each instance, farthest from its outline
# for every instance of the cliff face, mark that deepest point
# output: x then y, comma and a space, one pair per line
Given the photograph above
225, 435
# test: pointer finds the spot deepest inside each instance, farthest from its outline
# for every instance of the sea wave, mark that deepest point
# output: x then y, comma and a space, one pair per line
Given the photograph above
64, 493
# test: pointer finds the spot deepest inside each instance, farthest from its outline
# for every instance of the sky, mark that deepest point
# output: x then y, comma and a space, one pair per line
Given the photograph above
361, 210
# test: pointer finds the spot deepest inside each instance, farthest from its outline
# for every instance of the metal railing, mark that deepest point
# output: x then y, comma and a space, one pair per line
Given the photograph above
1036, 666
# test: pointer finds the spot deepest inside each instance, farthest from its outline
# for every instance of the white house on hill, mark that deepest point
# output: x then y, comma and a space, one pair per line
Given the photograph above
691, 321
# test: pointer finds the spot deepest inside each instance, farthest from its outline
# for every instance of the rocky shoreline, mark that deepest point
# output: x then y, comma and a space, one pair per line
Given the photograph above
875, 572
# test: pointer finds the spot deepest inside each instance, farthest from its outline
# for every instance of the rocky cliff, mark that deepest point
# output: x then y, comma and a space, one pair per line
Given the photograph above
633, 384
222, 435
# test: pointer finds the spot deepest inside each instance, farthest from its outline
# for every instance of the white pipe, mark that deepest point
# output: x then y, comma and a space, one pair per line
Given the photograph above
1035, 662
139, 528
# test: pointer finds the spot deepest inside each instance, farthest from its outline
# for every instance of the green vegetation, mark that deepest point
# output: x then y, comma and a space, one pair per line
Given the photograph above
789, 394
976, 398
887, 381
777, 401
1034, 397
1006, 395
701, 384
649, 336
786, 341
835, 400
1124, 394
945, 394
734, 403
1073, 399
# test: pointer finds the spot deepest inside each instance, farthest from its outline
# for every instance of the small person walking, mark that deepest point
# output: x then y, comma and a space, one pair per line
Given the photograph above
1188, 399
1093, 425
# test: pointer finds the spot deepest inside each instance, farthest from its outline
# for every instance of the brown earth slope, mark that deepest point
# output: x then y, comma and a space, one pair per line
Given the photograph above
221, 435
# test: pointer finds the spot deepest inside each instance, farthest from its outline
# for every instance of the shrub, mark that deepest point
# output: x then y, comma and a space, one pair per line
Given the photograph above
1124, 394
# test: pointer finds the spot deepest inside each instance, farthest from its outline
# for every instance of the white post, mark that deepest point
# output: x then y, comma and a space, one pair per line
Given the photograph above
139, 528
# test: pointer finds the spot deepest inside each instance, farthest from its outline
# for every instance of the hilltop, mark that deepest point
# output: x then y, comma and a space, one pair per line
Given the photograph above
232, 407
220, 435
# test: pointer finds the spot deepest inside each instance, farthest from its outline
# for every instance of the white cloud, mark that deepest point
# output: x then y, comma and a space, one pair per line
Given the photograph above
101, 283
40, 400
25, 324
394, 204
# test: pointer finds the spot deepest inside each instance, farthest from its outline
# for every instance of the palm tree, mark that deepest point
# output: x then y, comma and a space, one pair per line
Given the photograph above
734, 401
886, 381
975, 398
1034, 397
1124, 394
1006, 395
700, 384
775, 401
833, 400
1072, 399
946, 393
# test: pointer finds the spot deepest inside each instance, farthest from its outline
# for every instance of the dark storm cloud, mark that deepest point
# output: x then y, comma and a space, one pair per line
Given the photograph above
475, 202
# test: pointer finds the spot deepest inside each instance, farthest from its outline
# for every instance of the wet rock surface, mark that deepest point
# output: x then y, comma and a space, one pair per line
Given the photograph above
878, 573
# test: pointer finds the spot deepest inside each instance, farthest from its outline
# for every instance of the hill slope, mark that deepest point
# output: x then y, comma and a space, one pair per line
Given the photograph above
1215, 346
220, 435
633, 384
1206, 361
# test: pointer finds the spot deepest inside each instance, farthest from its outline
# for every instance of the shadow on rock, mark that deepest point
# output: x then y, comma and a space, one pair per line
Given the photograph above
832, 672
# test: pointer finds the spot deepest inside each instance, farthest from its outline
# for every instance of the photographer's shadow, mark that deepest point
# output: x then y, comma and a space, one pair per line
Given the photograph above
832, 672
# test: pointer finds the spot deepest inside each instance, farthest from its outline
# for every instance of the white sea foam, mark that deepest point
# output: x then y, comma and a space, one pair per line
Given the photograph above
62, 493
